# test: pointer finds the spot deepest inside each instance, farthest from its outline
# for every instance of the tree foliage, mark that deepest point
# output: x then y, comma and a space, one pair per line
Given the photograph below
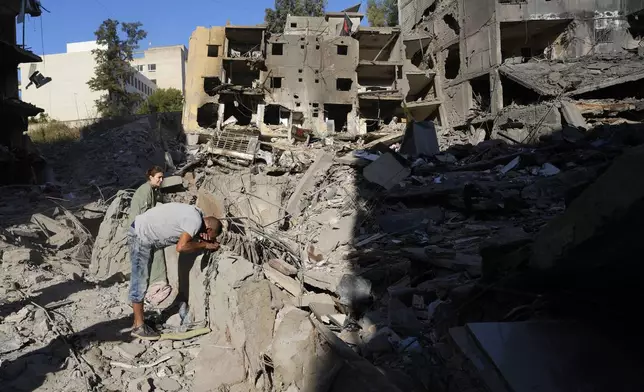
162, 100
113, 66
382, 13
276, 18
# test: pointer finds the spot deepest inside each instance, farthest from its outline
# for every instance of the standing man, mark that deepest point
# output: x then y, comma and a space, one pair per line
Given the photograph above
157, 228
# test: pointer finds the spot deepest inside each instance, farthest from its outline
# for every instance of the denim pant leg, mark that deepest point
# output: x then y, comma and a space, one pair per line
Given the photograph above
140, 255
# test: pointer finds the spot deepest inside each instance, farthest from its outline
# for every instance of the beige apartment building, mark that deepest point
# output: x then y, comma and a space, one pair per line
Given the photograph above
165, 66
68, 97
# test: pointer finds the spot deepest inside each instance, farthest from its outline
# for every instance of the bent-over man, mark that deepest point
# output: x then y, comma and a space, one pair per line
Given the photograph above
157, 228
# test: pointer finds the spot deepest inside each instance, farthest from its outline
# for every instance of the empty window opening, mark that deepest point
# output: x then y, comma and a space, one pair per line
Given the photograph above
343, 84
315, 104
452, 23
297, 104
481, 95
207, 115
299, 71
276, 114
293, 25
210, 85
301, 46
296, 96
343, 50
317, 80
152, 67
317, 47
213, 50
315, 114
299, 80
242, 110
276, 82
277, 49
317, 71
338, 114
452, 62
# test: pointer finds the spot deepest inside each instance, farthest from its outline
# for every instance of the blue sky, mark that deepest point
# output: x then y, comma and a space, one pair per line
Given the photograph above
168, 22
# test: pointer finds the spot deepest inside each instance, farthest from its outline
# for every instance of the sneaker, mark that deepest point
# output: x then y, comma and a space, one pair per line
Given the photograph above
145, 332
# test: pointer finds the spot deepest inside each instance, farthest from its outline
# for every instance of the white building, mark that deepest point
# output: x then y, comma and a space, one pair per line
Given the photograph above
68, 97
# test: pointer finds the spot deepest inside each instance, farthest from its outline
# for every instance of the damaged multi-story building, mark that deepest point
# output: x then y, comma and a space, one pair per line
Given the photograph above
312, 76
19, 159
494, 60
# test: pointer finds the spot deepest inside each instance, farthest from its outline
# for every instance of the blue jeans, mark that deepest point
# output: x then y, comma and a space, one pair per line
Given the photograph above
140, 257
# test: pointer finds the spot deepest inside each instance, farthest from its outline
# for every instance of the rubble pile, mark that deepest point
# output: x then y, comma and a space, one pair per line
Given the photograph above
376, 263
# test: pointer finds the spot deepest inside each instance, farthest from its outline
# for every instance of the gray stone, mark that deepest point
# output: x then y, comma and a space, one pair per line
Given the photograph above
168, 384
254, 304
10, 339
171, 182
217, 367
62, 240
354, 290
163, 346
130, 350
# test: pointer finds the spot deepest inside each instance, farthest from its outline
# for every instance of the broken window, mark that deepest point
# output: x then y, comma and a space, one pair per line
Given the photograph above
209, 85
299, 80
317, 47
301, 46
299, 71
481, 94
343, 84
152, 67
343, 50
277, 49
452, 23
275, 114
207, 115
315, 104
293, 25
452, 62
317, 80
276, 82
213, 50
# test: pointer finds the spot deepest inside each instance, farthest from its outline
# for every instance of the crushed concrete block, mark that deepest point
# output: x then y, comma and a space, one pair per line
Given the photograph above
51, 225
322, 163
61, 240
209, 204
21, 255
572, 115
306, 299
387, 171
10, 339
293, 345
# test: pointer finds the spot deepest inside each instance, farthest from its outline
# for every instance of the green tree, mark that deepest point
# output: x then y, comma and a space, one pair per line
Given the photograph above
113, 67
382, 13
276, 18
162, 100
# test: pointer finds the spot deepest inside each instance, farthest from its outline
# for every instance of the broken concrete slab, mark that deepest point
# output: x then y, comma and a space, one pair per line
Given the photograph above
420, 139
293, 346
20, 256
387, 171
572, 115
402, 319
218, 367
51, 225
254, 302
109, 255
62, 240
171, 182
322, 163
287, 283
306, 299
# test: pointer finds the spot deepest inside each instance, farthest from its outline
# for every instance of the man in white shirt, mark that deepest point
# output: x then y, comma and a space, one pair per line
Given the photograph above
157, 228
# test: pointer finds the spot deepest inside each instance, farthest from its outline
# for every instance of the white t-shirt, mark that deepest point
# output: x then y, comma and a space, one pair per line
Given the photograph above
162, 225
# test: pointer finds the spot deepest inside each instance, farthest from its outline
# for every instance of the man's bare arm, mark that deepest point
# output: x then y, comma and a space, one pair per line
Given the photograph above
186, 245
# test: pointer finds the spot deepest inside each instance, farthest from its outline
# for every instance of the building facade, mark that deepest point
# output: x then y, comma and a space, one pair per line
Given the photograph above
311, 76
470, 44
68, 97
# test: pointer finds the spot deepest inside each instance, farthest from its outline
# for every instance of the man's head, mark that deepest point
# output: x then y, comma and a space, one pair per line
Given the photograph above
212, 230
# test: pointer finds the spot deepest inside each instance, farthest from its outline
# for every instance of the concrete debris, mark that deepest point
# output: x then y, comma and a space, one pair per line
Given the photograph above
20, 256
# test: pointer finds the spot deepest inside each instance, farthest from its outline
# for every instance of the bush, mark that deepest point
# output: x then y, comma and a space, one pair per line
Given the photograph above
54, 132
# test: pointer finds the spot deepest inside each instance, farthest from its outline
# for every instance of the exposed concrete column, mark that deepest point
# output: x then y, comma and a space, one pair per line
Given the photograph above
496, 93
261, 108
220, 115
353, 127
